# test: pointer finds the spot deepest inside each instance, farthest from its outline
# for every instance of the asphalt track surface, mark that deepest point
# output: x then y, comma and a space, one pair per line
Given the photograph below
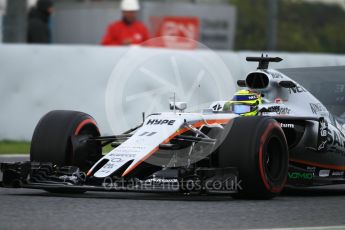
35, 209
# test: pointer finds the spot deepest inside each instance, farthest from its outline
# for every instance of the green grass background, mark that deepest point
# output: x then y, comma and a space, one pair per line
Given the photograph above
11, 147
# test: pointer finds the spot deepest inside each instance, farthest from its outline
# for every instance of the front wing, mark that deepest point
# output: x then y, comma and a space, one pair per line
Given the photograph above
71, 180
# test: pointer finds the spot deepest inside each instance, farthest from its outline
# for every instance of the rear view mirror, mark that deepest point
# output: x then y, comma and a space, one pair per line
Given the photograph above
241, 83
181, 106
287, 84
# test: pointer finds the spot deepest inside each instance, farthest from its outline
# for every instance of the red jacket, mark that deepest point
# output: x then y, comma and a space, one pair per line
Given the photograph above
119, 33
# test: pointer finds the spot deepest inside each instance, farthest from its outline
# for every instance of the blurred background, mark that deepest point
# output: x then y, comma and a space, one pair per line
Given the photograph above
59, 54
288, 25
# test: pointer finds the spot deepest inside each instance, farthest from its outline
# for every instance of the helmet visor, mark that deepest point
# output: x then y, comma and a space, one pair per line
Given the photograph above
240, 108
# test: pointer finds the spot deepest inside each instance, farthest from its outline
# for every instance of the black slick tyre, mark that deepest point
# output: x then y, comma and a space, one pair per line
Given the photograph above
257, 147
60, 137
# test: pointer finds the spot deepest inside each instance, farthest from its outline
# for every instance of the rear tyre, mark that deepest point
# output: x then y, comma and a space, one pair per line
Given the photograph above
60, 138
257, 147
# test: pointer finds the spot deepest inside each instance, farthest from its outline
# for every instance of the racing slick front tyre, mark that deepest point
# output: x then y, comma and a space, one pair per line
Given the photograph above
60, 138
257, 147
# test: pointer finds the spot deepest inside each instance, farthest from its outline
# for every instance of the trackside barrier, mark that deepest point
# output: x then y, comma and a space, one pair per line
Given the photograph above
38, 78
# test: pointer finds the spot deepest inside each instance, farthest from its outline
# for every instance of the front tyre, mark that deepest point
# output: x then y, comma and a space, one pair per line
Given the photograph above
257, 147
60, 137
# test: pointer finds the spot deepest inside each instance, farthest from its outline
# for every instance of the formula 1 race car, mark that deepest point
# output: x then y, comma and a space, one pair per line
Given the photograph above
273, 133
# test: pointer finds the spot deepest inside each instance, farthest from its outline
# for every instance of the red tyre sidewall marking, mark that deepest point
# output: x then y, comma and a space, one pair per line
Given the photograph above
83, 123
261, 166
80, 127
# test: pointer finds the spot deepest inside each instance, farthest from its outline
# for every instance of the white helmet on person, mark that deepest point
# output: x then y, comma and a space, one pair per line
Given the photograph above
130, 5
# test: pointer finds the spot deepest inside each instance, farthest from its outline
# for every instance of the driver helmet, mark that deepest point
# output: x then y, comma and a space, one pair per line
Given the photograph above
244, 103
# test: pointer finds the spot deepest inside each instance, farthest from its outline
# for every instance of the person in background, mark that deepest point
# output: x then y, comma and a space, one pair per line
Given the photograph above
38, 30
129, 30
2, 13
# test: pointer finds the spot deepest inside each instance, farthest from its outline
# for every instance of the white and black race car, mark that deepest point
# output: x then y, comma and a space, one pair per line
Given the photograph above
293, 140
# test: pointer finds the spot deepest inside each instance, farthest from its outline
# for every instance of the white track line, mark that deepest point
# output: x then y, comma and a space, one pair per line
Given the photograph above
14, 155
305, 228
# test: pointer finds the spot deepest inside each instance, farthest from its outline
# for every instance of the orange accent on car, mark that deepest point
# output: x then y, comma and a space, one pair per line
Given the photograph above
178, 132
89, 173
